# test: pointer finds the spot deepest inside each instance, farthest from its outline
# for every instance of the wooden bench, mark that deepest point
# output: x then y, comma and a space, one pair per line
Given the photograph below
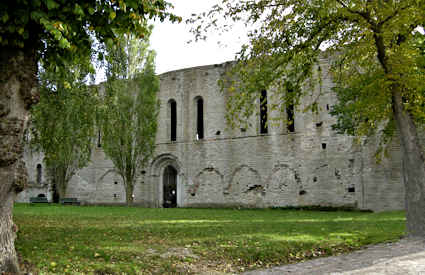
69, 201
38, 200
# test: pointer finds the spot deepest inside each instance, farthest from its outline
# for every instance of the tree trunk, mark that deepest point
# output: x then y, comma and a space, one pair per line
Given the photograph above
129, 188
59, 182
18, 92
61, 187
413, 168
8, 258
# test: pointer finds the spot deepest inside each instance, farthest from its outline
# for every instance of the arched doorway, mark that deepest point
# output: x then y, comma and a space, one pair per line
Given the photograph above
166, 174
169, 180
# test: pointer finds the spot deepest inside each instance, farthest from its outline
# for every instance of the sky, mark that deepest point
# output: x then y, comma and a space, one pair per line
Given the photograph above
170, 40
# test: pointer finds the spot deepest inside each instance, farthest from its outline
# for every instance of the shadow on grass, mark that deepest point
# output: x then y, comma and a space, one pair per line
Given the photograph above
110, 236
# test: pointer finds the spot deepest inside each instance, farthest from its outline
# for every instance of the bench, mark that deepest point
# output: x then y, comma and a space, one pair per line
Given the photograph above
69, 201
38, 200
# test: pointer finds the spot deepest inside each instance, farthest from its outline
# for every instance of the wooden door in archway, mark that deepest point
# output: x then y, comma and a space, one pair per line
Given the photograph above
170, 187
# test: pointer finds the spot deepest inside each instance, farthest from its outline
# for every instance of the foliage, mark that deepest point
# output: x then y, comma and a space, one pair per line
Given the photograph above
64, 123
285, 49
61, 30
58, 32
372, 54
129, 115
131, 240
365, 100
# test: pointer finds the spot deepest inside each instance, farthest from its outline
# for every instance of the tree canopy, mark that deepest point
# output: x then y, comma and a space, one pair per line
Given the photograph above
63, 122
130, 110
288, 37
60, 30
57, 32
373, 49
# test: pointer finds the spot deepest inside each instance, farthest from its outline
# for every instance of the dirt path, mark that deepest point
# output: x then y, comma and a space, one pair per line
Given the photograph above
403, 257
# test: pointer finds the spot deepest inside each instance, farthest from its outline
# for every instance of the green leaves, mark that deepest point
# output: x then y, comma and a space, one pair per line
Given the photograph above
64, 120
112, 15
287, 42
5, 17
91, 10
60, 30
51, 4
130, 108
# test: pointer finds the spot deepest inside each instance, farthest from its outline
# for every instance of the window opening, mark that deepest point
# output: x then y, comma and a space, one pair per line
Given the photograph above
99, 139
290, 114
200, 119
173, 107
263, 113
39, 173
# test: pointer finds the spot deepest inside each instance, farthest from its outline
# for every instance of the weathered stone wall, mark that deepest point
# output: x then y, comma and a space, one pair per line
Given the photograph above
312, 166
35, 186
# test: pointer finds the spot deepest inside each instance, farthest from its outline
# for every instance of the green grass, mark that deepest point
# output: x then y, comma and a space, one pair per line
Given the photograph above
118, 240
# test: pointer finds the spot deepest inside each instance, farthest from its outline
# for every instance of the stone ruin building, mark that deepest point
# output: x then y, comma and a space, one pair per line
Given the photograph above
200, 162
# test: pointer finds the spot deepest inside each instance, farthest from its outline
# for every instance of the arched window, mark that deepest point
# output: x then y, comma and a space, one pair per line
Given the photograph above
173, 119
199, 117
39, 171
263, 113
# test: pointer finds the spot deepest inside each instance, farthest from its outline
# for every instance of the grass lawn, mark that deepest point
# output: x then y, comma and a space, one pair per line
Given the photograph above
118, 240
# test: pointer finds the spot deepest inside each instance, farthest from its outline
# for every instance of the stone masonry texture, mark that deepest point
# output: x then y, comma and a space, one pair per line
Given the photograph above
241, 167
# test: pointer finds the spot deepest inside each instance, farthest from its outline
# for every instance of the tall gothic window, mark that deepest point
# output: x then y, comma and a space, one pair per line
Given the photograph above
99, 139
199, 117
290, 115
39, 175
173, 119
263, 113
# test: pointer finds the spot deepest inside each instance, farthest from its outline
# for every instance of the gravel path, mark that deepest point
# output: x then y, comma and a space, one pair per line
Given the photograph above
403, 257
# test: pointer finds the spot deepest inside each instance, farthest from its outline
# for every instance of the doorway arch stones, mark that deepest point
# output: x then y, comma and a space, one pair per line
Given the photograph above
157, 173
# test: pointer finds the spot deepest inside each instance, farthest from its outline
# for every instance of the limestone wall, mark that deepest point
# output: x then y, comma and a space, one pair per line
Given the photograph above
311, 166
37, 180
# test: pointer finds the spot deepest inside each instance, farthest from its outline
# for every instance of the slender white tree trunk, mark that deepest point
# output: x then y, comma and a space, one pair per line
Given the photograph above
17, 93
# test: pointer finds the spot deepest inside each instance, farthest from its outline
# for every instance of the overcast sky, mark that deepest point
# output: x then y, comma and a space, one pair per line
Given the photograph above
170, 41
